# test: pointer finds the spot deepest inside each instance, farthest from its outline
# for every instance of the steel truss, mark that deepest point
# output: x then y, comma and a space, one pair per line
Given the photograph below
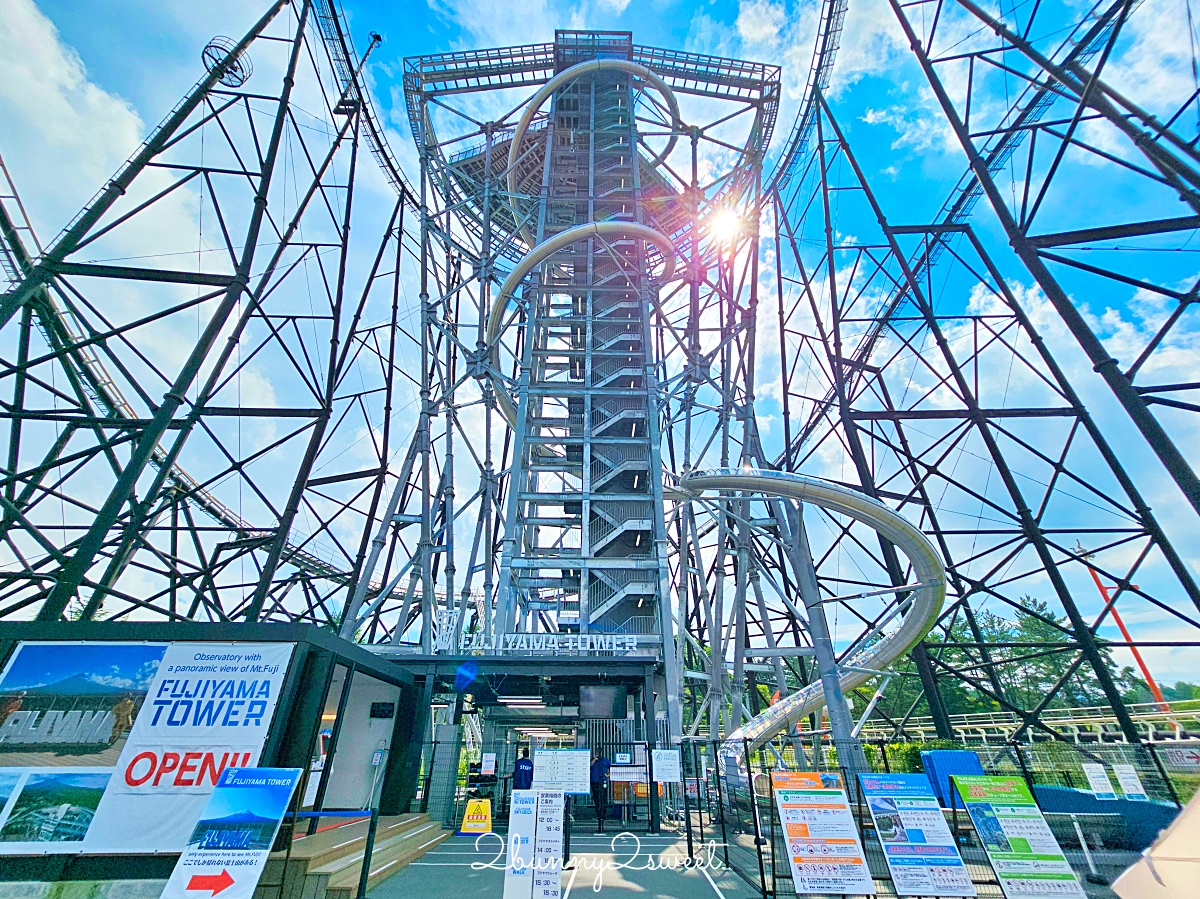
932, 390
1080, 243
195, 366
220, 406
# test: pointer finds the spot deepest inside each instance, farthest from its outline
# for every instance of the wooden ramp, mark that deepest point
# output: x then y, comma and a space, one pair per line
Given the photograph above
327, 865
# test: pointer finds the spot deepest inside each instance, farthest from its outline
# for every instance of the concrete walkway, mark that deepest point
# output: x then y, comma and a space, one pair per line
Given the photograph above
649, 867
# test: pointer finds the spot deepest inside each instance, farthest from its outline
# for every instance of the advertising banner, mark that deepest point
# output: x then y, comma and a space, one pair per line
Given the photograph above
823, 845
1024, 853
96, 735
522, 822
917, 844
230, 843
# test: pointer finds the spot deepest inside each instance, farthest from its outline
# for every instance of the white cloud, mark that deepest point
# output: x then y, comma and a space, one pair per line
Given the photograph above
760, 22
63, 133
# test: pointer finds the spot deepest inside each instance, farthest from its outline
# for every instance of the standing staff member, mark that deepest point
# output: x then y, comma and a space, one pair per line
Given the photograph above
600, 766
523, 772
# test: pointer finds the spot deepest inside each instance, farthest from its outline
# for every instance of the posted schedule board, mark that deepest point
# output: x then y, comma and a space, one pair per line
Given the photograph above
567, 770
1023, 851
917, 844
824, 851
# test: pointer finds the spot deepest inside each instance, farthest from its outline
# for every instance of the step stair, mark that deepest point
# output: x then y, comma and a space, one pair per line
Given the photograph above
327, 864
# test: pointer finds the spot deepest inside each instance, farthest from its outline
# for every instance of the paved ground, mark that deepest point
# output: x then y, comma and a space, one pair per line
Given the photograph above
650, 867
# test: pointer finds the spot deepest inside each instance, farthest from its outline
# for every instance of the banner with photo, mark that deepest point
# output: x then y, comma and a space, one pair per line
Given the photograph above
229, 845
94, 736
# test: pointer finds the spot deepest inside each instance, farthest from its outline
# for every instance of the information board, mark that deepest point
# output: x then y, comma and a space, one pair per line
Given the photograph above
917, 844
1024, 853
522, 822
1098, 781
229, 846
566, 770
548, 845
487, 764
667, 767
1130, 783
823, 846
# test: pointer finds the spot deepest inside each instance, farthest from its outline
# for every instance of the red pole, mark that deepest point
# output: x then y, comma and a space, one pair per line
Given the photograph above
1150, 682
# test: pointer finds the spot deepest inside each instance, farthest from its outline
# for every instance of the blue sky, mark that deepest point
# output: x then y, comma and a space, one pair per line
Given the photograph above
129, 665
79, 91
265, 801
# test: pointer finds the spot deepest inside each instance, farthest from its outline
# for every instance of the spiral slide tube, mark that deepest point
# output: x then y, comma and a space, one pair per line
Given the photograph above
924, 605
584, 68
540, 254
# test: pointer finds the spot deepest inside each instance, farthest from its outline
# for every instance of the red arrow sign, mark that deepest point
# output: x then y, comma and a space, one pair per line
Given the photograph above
214, 882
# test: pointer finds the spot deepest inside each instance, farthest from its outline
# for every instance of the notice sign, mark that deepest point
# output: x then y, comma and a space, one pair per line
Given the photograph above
488, 764
1130, 783
478, 817
229, 846
918, 845
565, 770
522, 822
1024, 854
1098, 781
667, 768
823, 845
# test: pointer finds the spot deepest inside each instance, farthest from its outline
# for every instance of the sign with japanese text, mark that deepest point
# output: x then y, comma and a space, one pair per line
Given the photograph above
917, 844
824, 850
229, 845
1024, 853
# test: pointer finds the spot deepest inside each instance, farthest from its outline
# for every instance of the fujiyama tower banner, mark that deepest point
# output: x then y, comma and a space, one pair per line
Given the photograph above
94, 736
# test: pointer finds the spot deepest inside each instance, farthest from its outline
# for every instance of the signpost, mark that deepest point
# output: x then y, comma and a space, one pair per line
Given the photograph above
230, 843
823, 846
1026, 857
917, 844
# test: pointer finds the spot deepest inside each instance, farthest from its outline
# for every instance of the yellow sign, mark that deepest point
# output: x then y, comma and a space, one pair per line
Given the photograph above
478, 818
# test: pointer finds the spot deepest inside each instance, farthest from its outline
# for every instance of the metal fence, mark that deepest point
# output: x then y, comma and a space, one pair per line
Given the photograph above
731, 810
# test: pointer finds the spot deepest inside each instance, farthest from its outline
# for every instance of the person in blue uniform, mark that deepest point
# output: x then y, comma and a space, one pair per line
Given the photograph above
600, 766
523, 772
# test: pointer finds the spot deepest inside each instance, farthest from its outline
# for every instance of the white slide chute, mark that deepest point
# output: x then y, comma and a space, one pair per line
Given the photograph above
921, 608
